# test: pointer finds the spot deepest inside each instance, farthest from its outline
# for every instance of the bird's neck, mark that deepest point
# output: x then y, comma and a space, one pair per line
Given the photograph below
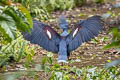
64, 33
65, 29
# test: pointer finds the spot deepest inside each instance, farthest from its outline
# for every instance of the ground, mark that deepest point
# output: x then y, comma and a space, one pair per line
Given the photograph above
91, 53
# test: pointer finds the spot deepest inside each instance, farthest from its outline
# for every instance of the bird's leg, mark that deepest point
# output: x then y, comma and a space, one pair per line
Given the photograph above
68, 55
62, 63
68, 58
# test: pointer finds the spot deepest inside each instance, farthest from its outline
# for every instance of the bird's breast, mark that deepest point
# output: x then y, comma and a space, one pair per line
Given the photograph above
63, 45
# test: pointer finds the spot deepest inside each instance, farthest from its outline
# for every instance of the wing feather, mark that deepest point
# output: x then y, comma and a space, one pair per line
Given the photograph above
44, 36
87, 29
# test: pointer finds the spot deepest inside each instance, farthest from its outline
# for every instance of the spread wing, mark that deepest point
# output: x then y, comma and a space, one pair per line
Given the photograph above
44, 36
83, 32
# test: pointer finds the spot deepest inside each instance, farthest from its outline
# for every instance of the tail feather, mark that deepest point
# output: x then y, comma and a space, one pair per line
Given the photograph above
62, 54
62, 58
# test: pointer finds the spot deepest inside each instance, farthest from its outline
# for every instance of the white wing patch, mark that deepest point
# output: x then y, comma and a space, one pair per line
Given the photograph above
75, 32
49, 34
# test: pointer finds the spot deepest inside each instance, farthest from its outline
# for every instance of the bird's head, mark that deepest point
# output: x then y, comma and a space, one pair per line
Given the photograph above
62, 23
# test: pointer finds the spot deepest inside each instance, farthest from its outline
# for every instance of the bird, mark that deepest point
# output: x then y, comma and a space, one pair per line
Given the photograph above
64, 43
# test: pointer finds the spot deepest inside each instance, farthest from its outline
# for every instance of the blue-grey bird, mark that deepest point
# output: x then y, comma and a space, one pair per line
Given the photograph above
43, 35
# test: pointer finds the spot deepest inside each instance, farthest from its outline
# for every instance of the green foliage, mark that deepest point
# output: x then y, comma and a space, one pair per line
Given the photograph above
115, 40
16, 51
49, 5
42, 8
98, 1
14, 18
7, 26
79, 2
116, 44
66, 72
11, 19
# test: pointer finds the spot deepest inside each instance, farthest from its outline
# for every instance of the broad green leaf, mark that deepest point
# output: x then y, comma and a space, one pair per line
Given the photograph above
3, 62
52, 76
7, 23
50, 60
29, 57
20, 21
11, 19
26, 13
113, 44
20, 53
66, 77
44, 60
115, 33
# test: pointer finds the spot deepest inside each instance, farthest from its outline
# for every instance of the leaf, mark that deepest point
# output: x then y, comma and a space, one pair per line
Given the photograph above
78, 72
20, 21
7, 23
20, 53
56, 66
38, 67
52, 76
115, 33
29, 57
50, 60
50, 54
66, 77
44, 60
3, 62
47, 69
27, 14
11, 19
113, 44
